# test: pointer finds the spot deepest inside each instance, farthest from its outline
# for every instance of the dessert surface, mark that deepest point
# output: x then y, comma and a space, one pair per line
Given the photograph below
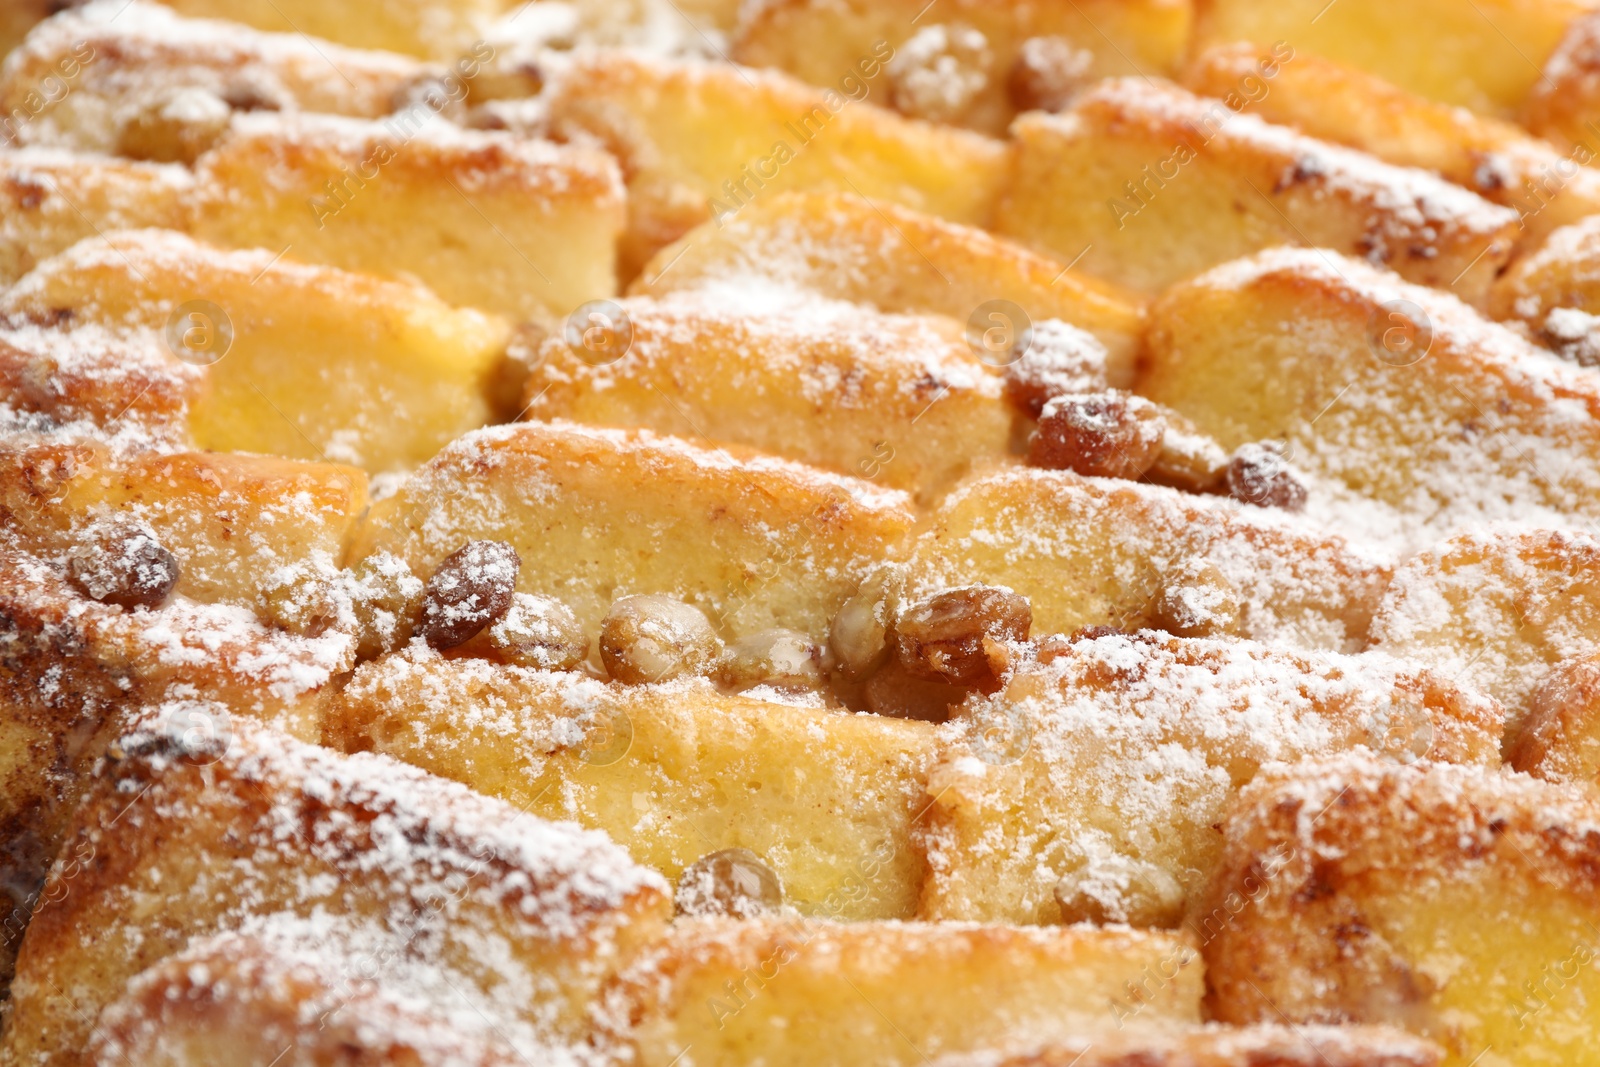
800, 533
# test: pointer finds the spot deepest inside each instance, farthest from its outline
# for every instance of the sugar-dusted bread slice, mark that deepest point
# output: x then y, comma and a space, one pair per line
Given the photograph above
437, 29
1151, 184
289, 990
599, 514
1552, 294
1324, 98
1089, 786
71, 673
890, 994
841, 247
1456, 902
51, 199
181, 839
1564, 103
1271, 1045
820, 42
90, 383
310, 362
1413, 416
1496, 610
827, 799
142, 82
901, 400
235, 522
489, 220
1094, 552
1484, 55
701, 141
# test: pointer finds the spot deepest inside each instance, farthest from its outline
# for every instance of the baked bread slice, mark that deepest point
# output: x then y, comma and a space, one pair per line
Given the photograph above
398, 373
147, 84
1487, 58
1451, 900
1087, 789
672, 771
840, 246
1150, 184
188, 834
699, 141
1413, 416
1498, 611
781, 544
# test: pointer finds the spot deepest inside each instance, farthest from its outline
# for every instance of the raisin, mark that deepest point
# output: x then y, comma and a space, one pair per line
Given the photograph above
1188, 460
1198, 601
655, 638
782, 658
1105, 435
1048, 72
539, 632
387, 601
896, 693
731, 882
860, 633
1259, 474
1059, 360
123, 563
943, 637
468, 591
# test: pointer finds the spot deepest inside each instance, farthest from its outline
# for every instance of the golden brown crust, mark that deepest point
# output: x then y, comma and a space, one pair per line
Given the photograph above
1453, 901
186, 599
119, 73
71, 671
1551, 295
1560, 739
77, 383
53, 199
511, 225
903, 401
1414, 417
1498, 160
289, 359
247, 1000
1563, 104
234, 521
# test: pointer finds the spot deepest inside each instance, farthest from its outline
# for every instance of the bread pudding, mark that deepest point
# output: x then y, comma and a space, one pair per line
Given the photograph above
804, 533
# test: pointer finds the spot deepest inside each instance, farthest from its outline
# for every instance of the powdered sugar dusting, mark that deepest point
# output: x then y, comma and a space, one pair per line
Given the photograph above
1123, 750
367, 854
